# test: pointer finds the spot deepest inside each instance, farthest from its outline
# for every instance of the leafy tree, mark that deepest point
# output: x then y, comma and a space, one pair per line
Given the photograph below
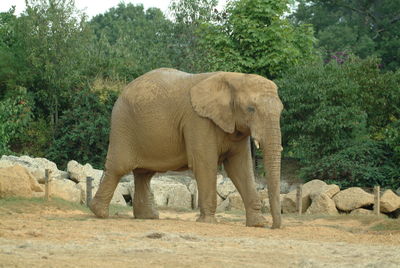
255, 37
15, 115
84, 129
186, 51
53, 37
131, 41
339, 121
13, 68
364, 28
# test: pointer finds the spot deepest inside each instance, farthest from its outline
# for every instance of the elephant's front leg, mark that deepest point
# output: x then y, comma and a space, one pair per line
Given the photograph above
206, 178
239, 169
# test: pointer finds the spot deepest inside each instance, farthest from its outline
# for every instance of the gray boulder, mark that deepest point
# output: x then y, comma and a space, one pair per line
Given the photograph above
65, 189
79, 173
235, 202
225, 187
18, 181
353, 198
223, 206
265, 206
322, 204
329, 190
389, 201
117, 198
170, 193
361, 211
309, 188
36, 166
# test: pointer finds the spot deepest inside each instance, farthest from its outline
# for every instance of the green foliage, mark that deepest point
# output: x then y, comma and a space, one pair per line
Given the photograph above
131, 41
186, 50
255, 37
364, 28
35, 140
333, 118
15, 115
84, 129
53, 38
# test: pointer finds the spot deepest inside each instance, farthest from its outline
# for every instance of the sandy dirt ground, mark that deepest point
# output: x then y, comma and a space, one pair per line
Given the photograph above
50, 236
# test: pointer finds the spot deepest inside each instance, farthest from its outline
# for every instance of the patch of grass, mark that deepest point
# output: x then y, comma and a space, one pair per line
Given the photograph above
387, 225
75, 218
177, 210
117, 209
23, 204
235, 212
363, 219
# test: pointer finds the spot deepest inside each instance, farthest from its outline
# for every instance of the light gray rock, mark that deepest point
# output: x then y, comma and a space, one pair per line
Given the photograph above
78, 172
330, 190
225, 187
223, 206
36, 166
65, 189
361, 211
169, 193
263, 194
265, 206
322, 204
285, 187
235, 202
353, 198
389, 201
117, 198
131, 188
195, 194
127, 178
123, 188
309, 188
17, 181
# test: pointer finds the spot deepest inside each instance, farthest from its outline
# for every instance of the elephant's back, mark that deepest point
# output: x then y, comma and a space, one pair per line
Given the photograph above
155, 85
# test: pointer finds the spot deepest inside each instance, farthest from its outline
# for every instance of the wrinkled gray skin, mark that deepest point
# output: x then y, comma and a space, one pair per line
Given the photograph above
171, 120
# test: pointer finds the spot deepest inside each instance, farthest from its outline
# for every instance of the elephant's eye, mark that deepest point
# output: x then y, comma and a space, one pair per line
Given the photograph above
251, 109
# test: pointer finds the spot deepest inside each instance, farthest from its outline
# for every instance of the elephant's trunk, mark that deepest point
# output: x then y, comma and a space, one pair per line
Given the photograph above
272, 148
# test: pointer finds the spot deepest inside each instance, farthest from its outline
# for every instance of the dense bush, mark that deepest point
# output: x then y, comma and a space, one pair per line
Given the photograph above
15, 115
83, 130
339, 121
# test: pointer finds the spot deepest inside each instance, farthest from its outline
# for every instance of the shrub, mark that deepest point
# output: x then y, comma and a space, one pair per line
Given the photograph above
340, 121
15, 115
82, 131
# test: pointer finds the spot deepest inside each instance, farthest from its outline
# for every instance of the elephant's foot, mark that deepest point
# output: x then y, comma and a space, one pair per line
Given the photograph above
207, 219
255, 220
148, 213
98, 208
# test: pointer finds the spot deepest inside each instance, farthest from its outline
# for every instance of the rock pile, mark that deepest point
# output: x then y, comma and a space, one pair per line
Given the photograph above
24, 176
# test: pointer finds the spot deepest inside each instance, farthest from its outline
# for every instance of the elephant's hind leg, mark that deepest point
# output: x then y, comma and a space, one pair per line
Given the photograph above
113, 172
101, 201
143, 201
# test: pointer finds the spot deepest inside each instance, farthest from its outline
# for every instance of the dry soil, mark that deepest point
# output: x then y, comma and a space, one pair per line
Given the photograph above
34, 234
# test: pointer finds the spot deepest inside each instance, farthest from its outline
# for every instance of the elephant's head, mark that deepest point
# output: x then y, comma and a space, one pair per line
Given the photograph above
250, 104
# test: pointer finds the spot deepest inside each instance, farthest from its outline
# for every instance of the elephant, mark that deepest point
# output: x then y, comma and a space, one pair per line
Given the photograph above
169, 120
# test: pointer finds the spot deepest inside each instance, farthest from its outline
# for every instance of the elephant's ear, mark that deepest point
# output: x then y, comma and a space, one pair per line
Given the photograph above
212, 98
